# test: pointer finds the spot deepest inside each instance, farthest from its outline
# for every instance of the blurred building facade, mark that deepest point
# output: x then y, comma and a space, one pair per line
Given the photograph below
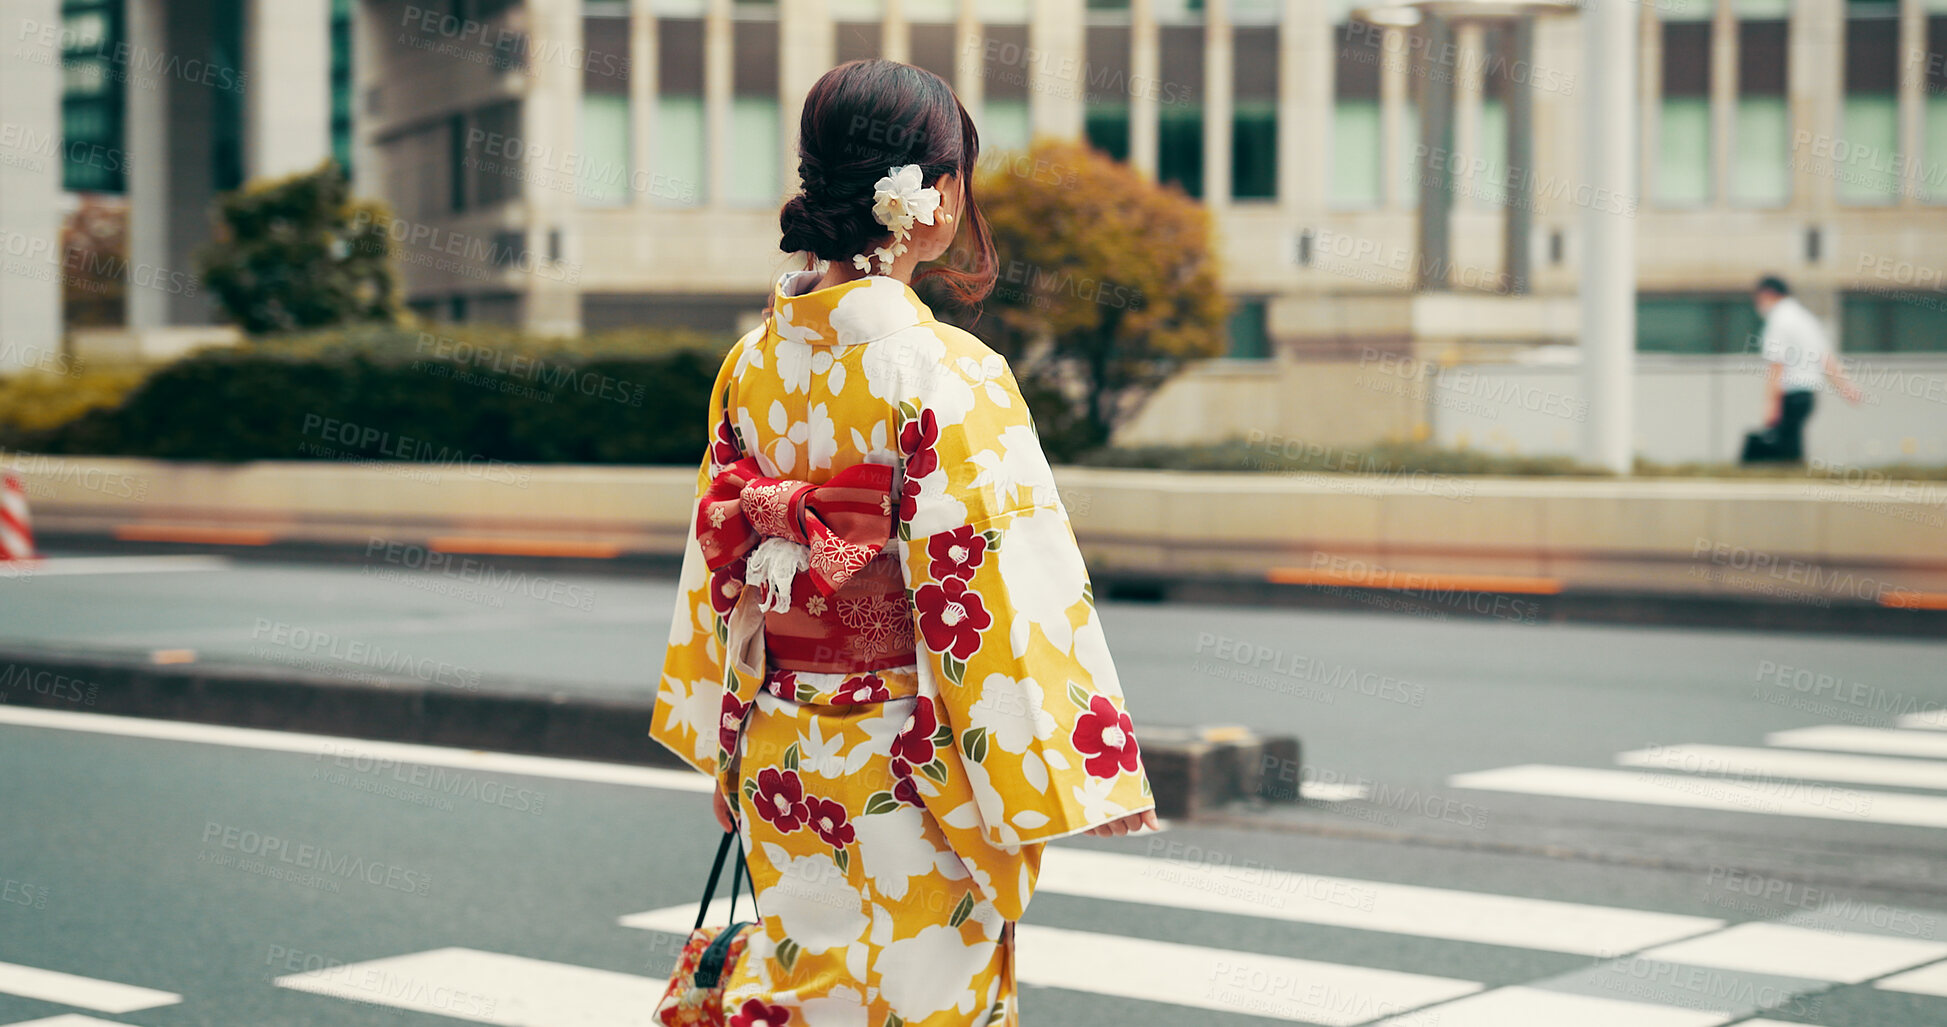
577, 165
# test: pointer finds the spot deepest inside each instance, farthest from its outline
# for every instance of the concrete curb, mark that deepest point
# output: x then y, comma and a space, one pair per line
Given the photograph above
1192, 771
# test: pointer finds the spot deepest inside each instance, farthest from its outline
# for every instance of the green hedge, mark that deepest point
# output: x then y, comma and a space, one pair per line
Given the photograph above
400, 395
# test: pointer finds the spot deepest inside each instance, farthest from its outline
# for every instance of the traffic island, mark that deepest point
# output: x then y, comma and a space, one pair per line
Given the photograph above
1193, 771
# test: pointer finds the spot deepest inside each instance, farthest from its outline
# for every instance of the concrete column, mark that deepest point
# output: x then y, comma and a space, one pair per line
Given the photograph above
171, 178
895, 35
1305, 65
1608, 287
969, 57
1649, 91
1145, 87
1913, 100
807, 48
1218, 109
1723, 101
1815, 86
287, 105
1055, 79
369, 49
644, 71
551, 116
1435, 249
717, 70
1517, 225
1470, 73
30, 191
1393, 69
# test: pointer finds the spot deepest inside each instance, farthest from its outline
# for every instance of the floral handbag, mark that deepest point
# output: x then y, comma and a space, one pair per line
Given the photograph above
695, 995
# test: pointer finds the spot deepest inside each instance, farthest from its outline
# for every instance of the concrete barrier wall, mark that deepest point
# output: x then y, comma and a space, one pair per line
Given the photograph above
1696, 536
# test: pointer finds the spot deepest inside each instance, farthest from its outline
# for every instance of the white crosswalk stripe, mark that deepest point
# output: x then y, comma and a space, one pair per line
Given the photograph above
1927, 980
1812, 766
1884, 741
1931, 720
1800, 952
74, 990
1777, 798
1507, 1007
68, 1020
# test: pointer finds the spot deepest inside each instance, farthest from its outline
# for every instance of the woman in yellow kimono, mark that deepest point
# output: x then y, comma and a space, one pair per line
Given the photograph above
886, 647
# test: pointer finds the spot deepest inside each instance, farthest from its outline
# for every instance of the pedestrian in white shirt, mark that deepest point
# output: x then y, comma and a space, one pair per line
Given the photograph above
1799, 361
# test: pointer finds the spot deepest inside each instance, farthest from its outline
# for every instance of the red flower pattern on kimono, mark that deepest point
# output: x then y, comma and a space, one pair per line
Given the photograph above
724, 449
1107, 737
780, 799
915, 742
903, 787
951, 617
731, 722
868, 689
828, 821
916, 440
758, 1013
957, 553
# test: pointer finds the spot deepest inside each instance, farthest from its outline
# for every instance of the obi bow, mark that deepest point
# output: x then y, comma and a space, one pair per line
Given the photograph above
781, 528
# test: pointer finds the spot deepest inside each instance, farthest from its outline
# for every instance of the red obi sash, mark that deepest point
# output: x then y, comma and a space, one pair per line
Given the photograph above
802, 574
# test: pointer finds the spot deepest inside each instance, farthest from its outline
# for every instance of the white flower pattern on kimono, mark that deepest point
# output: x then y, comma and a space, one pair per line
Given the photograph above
821, 437
818, 909
1019, 465
987, 373
1013, 712
910, 969
1040, 555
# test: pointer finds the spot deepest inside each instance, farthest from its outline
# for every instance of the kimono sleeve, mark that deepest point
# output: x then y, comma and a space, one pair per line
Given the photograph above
690, 697
1033, 741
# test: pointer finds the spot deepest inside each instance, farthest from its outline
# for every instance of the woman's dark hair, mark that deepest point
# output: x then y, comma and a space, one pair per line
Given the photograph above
862, 119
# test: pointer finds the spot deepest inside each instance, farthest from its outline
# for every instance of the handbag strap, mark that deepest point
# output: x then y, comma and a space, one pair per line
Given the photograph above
736, 880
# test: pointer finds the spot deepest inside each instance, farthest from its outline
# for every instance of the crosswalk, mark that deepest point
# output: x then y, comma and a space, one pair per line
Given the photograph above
1627, 967
1808, 772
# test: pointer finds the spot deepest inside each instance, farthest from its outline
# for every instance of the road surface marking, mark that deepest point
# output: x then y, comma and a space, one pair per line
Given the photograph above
358, 750
491, 987
1332, 791
1506, 1007
1931, 720
1885, 741
86, 992
70, 565
1334, 901
1817, 766
1779, 798
69, 1020
1249, 983
1928, 980
1771, 948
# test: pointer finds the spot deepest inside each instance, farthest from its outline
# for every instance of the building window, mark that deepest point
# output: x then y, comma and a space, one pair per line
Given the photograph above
1893, 322
1870, 122
491, 170
933, 46
1761, 145
341, 83
1697, 323
1933, 177
1004, 86
1683, 141
679, 144
755, 118
1179, 158
1106, 109
1254, 118
602, 175
1357, 152
91, 98
1247, 330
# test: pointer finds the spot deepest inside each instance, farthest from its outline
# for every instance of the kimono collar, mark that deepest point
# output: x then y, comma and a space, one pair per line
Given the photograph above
853, 312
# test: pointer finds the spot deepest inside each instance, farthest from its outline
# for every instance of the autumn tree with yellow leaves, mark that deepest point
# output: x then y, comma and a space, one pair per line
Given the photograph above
1107, 286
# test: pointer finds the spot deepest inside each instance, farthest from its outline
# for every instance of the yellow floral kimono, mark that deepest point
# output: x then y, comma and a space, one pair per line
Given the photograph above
894, 814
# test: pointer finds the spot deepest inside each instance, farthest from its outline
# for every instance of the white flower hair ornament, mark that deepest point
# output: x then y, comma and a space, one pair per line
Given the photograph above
898, 200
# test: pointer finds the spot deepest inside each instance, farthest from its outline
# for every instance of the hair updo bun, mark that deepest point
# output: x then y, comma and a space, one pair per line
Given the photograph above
861, 120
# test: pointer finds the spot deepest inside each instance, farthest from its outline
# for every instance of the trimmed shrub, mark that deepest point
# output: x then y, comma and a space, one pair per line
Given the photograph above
402, 395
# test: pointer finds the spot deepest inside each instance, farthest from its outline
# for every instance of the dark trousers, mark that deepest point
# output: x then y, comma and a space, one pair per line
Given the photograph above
1783, 442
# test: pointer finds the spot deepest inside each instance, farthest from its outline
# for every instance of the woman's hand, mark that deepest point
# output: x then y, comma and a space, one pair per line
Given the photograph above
1126, 825
721, 807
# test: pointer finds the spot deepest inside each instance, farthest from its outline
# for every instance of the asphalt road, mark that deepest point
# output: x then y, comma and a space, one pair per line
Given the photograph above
1478, 761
